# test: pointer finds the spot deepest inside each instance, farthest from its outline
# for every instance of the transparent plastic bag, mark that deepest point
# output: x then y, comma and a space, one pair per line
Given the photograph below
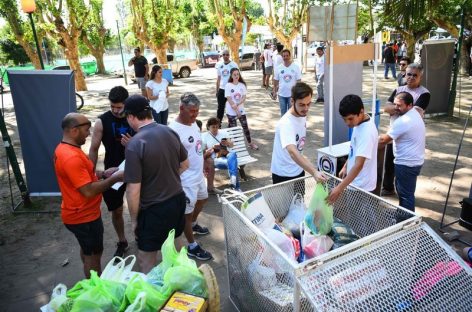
117, 270
319, 215
169, 258
155, 297
295, 215
139, 303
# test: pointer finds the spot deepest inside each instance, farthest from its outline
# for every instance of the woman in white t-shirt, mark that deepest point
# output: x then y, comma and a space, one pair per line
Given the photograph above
235, 93
157, 92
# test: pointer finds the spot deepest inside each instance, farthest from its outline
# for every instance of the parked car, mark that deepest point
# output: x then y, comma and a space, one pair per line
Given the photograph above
209, 58
179, 65
246, 61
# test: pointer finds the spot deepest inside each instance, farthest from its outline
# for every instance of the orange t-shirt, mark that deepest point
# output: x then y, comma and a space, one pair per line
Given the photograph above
74, 170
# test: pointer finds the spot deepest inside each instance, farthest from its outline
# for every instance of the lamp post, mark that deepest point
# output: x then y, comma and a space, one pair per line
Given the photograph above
29, 6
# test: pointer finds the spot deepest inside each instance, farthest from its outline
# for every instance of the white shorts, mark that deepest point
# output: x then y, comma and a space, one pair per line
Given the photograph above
194, 193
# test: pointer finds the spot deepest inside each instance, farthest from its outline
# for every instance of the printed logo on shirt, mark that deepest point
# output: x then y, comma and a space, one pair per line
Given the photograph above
198, 147
237, 96
225, 72
191, 139
301, 144
287, 78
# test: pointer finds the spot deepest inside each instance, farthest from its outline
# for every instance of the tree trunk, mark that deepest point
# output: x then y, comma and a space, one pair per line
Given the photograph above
410, 45
233, 46
33, 56
100, 63
72, 56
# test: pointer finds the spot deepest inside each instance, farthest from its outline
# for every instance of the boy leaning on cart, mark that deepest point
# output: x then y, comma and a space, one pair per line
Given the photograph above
360, 168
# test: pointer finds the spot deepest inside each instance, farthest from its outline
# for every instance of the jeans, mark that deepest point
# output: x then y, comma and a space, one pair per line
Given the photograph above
320, 86
392, 67
229, 162
405, 183
284, 104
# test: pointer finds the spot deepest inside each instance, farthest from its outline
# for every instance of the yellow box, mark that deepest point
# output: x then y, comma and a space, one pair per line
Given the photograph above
180, 302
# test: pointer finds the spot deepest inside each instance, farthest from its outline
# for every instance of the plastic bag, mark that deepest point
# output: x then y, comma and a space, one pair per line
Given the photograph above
58, 298
169, 257
155, 298
319, 215
272, 259
139, 304
295, 215
261, 276
257, 210
117, 270
318, 246
342, 234
102, 296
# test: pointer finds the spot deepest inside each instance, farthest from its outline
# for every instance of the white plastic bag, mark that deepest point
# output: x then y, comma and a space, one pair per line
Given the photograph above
257, 210
139, 303
296, 214
58, 297
117, 270
314, 245
262, 277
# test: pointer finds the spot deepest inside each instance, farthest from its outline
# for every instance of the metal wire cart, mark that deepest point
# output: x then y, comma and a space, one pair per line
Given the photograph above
398, 264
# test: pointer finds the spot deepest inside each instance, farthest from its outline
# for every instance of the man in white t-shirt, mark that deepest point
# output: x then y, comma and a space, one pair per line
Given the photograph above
409, 135
319, 73
268, 66
360, 168
288, 162
193, 181
223, 69
285, 77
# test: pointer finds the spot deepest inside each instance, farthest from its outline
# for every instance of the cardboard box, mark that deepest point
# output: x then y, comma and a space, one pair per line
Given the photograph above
180, 302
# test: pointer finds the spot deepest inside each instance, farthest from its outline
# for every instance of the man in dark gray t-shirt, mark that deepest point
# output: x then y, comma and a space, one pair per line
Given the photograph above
155, 158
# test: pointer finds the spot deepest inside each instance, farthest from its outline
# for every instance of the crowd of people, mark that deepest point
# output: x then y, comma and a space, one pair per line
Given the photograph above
167, 184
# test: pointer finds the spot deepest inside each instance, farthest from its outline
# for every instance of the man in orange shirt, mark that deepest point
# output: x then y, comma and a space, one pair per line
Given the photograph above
82, 190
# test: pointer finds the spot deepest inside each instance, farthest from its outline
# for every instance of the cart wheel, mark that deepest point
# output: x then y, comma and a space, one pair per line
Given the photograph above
213, 289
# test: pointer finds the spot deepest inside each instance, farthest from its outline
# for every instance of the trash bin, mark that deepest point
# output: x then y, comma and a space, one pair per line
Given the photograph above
167, 75
398, 264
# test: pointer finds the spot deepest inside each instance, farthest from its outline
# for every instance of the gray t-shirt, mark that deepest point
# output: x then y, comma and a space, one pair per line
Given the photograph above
153, 158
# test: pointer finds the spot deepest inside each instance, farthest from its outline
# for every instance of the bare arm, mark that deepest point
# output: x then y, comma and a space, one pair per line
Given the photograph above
167, 92
384, 139
218, 80
131, 61
358, 164
94, 188
146, 73
184, 166
133, 191
276, 86
304, 163
96, 141
389, 108
149, 94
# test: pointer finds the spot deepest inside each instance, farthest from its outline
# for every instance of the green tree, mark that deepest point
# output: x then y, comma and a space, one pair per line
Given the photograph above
67, 20
94, 34
20, 28
286, 19
153, 22
11, 52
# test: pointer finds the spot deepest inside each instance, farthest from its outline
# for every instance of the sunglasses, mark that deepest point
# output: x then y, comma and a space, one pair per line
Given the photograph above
403, 64
88, 123
412, 75
225, 54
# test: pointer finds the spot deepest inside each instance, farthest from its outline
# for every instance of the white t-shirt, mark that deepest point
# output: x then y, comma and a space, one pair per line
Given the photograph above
364, 143
191, 138
223, 70
159, 104
277, 60
319, 64
236, 92
268, 58
409, 139
287, 78
290, 130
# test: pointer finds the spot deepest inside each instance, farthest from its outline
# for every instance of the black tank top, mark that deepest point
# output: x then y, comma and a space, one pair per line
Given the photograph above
113, 128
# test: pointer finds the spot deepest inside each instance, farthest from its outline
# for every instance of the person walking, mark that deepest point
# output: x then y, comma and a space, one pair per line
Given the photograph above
319, 73
235, 92
268, 65
285, 77
223, 69
81, 188
158, 92
389, 61
141, 70
112, 129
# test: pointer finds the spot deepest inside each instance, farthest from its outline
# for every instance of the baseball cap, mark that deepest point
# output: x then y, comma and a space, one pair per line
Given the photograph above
136, 104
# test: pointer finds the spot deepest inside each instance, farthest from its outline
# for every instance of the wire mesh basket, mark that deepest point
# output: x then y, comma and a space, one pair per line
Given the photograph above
398, 264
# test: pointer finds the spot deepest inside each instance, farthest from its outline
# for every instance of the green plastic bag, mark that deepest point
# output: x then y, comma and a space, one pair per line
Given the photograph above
169, 258
139, 304
186, 277
102, 295
155, 296
319, 215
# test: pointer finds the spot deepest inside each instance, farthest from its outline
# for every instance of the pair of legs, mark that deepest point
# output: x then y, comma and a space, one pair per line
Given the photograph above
389, 171
243, 121
298, 187
153, 226
405, 183
284, 103
320, 87
90, 238
114, 201
229, 162
267, 73
392, 68
141, 81
221, 99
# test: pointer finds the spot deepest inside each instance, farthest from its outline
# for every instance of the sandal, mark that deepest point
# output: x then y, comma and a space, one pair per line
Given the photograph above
253, 146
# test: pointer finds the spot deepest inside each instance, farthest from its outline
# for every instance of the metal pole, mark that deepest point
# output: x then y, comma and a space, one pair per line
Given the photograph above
452, 93
121, 51
36, 40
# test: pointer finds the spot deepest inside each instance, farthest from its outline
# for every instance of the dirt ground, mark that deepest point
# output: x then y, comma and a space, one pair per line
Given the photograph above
34, 245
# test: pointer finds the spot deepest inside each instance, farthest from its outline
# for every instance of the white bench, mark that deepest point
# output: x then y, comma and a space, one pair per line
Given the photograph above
236, 135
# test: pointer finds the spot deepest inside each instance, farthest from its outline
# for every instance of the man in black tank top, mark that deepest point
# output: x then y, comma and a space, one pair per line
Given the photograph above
112, 129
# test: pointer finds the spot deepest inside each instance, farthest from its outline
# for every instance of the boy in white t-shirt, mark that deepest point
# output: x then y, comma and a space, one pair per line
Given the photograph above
360, 168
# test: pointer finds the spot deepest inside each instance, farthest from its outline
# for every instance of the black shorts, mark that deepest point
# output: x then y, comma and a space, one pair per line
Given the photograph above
298, 187
114, 198
89, 235
155, 222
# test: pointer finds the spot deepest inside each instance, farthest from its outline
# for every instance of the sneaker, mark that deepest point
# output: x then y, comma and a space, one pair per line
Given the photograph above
233, 180
253, 146
199, 253
385, 192
200, 230
121, 248
214, 191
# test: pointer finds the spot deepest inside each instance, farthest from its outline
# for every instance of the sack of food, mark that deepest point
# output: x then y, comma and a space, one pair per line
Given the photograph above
342, 234
319, 215
255, 208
